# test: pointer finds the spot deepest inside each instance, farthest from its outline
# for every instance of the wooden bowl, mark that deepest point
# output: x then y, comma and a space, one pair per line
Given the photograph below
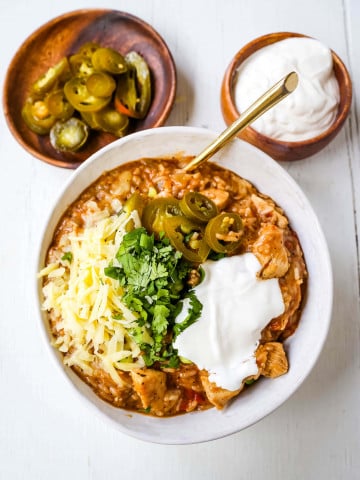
277, 149
63, 36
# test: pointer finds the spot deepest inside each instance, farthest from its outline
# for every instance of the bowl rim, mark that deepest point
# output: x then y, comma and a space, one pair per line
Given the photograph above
61, 17
195, 436
257, 43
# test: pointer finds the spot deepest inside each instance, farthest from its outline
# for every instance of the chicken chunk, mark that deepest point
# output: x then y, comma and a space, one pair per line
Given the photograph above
150, 385
119, 393
218, 396
271, 359
172, 399
122, 185
270, 250
219, 197
267, 211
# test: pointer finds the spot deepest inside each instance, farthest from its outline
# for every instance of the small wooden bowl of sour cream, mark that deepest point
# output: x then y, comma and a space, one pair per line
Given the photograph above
310, 120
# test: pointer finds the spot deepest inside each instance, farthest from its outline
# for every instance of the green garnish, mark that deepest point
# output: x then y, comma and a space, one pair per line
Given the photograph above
216, 256
145, 410
250, 382
193, 314
67, 257
153, 276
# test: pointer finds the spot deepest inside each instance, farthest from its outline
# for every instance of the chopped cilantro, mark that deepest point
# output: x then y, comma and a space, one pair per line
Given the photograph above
250, 382
216, 256
193, 314
67, 257
153, 277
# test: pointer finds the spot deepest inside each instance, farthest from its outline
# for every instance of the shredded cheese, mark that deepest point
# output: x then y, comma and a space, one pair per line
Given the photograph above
92, 324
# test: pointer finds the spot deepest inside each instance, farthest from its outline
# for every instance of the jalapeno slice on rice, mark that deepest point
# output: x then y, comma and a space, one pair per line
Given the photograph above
223, 233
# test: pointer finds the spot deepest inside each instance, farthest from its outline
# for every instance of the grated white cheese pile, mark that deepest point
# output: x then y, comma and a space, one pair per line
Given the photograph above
92, 324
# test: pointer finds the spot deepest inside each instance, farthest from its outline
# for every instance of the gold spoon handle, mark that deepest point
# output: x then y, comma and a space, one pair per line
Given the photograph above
270, 98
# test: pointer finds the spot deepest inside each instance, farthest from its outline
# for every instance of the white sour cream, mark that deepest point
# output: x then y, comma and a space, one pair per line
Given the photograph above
311, 108
236, 307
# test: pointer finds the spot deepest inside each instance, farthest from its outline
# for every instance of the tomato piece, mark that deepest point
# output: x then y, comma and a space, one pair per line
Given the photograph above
156, 211
108, 60
197, 207
100, 84
187, 237
80, 98
223, 233
190, 396
69, 136
58, 105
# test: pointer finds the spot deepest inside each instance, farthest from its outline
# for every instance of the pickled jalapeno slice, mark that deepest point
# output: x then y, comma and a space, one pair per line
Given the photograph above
88, 48
37, 116
133, 93
81, 65
143, 82
97, 84
187, 237
135, 202
55, 74
58, 105
80, 98
110, 120
157, 210
69, 136
126, 96
100, 84
198, 207
223, 233
108, 60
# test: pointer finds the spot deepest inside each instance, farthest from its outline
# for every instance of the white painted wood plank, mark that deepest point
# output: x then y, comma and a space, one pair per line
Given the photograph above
353, 43
45, 431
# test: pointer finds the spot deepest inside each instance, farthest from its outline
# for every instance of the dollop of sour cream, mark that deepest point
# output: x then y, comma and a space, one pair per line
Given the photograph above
311, 108
237, 305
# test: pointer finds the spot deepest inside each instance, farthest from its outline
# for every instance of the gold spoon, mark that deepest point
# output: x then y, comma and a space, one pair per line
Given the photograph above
270, 98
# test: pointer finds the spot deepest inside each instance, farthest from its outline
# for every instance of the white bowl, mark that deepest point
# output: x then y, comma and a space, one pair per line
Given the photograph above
303, 347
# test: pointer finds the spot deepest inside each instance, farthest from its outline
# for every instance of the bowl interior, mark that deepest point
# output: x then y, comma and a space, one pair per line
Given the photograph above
303, 347
63, 36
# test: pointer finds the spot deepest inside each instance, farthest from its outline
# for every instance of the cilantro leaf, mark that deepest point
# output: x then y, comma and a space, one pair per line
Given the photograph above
160, 322
193, 314
68, 256
153, 278
216, 256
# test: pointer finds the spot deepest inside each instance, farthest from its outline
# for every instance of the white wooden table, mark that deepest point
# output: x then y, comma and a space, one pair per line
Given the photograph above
45, 433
